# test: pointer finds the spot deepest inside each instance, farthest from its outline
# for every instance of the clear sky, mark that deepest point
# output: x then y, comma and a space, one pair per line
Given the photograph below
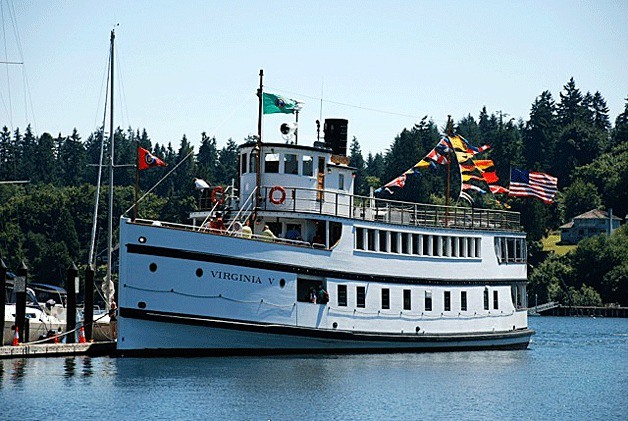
188, 67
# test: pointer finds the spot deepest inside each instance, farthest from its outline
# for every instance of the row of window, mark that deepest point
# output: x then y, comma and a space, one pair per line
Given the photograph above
417, 244
271, 161
510, 250
360, 296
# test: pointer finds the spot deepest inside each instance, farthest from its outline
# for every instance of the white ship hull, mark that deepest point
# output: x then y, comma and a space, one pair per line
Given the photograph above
214, 294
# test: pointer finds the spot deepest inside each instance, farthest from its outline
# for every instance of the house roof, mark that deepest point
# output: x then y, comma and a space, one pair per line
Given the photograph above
566, 226
596, 214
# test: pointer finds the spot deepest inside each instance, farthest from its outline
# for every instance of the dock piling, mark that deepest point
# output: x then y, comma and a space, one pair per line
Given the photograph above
71, 285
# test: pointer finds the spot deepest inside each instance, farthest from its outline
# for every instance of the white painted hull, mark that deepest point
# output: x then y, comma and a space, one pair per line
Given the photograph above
186, 291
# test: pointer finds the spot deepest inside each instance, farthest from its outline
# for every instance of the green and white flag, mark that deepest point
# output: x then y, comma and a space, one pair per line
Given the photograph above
277, 104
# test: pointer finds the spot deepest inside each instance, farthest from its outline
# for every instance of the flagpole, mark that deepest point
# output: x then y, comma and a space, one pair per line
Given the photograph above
258, 175
448, 131
137, 180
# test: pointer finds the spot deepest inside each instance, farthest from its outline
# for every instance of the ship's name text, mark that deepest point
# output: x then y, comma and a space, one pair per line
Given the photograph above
233, 276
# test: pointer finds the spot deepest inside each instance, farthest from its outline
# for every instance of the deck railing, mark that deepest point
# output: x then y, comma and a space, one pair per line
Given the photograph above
339, 204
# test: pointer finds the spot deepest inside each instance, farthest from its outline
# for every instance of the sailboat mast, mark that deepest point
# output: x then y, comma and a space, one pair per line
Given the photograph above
108, 280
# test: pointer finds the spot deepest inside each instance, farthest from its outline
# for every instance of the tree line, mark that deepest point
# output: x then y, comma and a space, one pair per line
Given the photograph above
47, 222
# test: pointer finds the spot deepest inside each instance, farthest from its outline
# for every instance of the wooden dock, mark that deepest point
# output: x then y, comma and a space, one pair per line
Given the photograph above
582, 311
93, 349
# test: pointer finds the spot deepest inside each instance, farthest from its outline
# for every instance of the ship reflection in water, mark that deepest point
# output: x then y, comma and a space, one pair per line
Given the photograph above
554, 378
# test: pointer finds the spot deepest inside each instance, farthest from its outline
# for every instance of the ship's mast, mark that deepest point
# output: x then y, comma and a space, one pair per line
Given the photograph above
108, 280
258, 163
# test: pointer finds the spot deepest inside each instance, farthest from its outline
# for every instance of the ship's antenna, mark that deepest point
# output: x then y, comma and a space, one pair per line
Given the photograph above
320, 116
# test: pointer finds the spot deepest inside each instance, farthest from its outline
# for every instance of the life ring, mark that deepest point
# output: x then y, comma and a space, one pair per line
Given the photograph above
282, 197
218, 199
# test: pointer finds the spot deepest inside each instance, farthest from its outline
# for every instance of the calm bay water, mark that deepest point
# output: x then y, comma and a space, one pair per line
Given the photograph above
575, 368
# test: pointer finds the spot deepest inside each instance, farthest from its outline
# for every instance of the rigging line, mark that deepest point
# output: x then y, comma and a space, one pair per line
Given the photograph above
104, 79
121, 91
213, 131
345, 104
6, 58
28, 96
92, 258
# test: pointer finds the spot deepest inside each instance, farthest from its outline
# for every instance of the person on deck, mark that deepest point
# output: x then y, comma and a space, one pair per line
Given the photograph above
217, 225
113, 321
246, 230
323, 296
267, 234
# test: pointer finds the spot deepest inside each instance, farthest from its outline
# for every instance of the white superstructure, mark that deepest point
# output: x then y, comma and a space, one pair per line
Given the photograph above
399, 276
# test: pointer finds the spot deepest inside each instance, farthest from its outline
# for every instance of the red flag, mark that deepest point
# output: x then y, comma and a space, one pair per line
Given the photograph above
148, 160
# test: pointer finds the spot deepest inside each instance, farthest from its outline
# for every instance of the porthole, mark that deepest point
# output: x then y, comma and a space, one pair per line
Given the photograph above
418, 329
282, 282
335, 325
199, 272
142, 240
141, 304
153, 267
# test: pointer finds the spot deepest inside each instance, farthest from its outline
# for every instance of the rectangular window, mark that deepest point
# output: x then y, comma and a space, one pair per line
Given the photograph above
447, 298
407, 299
371, 240
290, 164
436, 245
463, 300
308, 165
253, 162
405, 239
383, 241
342, 295
495, 300
243, 163
341, 181
394, 236
485, 298
360, 297
427, 245
271, 163
385, 299
417, 244
359, 238
428, 300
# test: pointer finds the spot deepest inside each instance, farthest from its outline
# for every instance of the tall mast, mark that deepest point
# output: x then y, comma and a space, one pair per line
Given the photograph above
258, 175
108, 280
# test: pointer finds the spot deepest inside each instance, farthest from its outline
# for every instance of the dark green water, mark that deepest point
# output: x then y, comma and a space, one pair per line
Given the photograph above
575, 368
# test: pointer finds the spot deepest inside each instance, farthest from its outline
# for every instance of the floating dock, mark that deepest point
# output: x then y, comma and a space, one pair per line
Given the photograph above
94, 349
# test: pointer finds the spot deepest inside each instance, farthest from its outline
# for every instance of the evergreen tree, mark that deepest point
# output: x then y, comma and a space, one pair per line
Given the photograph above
540, 135
228, 163
620, 131
73, 156
356, 160
207, 159
45, 161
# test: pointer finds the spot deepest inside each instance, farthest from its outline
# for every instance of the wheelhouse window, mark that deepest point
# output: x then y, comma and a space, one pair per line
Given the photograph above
359, 238
341, 181
342, 295
290, 164
253, 162
271, 163
385, 299
308, 165
428, 300
407, 299
360, 297
243, 163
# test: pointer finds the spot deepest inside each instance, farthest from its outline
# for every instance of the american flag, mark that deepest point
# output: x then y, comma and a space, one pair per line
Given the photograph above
533, 184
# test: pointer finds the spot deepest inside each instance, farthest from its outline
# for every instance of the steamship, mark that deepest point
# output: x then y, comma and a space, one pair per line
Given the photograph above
345, 273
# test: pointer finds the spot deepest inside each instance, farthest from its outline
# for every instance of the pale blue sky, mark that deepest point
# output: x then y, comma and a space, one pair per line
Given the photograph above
192, 66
